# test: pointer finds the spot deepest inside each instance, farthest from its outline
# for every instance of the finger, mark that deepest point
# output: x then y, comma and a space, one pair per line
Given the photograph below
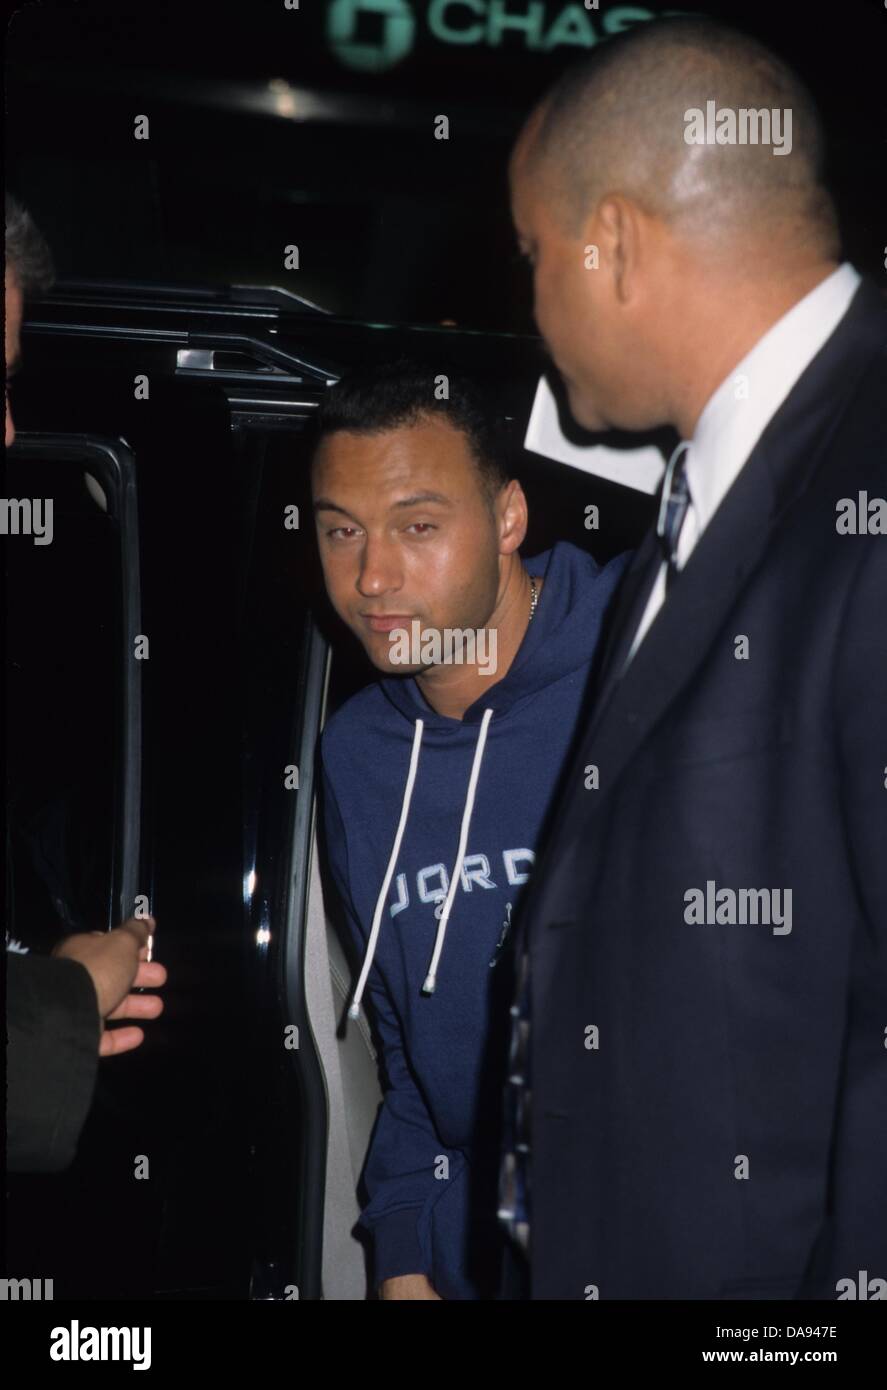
140, 928
146, 951
117, 1040
138, 1006
150, 975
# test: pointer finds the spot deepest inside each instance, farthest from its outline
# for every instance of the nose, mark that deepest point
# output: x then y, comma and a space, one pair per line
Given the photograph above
380, 571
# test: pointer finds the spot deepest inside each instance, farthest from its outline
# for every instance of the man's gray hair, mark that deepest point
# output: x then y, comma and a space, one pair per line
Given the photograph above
28, 258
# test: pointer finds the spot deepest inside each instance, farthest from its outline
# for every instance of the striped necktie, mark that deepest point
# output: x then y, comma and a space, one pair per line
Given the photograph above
673, 506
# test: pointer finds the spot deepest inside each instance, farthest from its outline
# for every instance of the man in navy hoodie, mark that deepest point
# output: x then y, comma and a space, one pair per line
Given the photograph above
438, 780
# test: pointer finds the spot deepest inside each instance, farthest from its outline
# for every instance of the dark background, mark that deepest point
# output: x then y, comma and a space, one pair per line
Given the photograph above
262, 135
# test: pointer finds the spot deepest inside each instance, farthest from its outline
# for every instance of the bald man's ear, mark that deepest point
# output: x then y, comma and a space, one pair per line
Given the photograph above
620, 236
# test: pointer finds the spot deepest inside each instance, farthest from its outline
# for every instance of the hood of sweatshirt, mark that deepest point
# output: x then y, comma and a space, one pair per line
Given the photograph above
556, 642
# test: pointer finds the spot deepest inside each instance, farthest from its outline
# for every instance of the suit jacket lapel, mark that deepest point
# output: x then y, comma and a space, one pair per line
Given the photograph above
631, 603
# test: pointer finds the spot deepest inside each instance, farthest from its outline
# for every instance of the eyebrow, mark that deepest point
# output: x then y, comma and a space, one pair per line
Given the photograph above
326, 504
419, 497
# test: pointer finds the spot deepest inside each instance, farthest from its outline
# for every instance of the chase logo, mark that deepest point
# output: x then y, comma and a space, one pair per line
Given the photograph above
373, 35
394, 36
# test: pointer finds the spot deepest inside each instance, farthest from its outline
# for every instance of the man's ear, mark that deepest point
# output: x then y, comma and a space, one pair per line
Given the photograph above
513, 516
619, 222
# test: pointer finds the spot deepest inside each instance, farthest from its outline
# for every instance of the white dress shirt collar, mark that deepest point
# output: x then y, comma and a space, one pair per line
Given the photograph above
736, 415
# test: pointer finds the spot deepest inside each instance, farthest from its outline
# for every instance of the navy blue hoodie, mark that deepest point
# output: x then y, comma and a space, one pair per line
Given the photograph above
394, 770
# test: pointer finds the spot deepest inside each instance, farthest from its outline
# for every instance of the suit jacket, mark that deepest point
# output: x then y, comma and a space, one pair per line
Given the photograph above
53, 1030
723, 1133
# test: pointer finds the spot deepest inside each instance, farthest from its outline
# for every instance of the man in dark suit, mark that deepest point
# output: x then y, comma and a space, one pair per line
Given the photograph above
702, 1074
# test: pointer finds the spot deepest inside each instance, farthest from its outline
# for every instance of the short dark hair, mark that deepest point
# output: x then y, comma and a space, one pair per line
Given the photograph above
28, 257
404, 392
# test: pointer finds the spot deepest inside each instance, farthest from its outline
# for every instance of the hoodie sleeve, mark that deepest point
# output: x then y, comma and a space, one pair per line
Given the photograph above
399, 1173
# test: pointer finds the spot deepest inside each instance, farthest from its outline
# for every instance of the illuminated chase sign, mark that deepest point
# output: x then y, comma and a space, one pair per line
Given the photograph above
394, 24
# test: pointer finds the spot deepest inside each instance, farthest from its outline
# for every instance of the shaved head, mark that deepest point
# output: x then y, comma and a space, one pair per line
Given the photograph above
616, 122
668, 195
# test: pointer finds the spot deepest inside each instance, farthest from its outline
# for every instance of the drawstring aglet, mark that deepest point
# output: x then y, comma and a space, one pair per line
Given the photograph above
430, 982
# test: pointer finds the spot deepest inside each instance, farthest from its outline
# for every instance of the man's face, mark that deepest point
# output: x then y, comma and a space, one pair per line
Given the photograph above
574, 306
13, 350
405, 533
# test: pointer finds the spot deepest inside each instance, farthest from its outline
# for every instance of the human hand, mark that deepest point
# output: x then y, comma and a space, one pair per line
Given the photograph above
117, 963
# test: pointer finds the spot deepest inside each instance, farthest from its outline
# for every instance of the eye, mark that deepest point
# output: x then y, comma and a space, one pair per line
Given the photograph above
343, 533
422, 528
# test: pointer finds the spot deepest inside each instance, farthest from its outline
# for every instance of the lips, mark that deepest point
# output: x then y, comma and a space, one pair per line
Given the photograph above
386, 622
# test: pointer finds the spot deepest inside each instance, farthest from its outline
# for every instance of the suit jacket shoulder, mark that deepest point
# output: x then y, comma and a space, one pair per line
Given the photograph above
53, 1031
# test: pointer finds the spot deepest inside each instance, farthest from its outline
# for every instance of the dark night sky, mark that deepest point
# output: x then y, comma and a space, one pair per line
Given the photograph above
391, 224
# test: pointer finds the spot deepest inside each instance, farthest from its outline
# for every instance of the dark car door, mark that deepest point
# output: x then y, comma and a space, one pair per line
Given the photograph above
74, 690
115, 805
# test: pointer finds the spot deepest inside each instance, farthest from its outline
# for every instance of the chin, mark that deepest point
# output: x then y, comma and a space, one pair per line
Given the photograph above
583, 411
386, 667
400, 668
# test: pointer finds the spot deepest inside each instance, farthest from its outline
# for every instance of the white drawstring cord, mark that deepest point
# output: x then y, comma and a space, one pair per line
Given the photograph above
431, 977
354, 1009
